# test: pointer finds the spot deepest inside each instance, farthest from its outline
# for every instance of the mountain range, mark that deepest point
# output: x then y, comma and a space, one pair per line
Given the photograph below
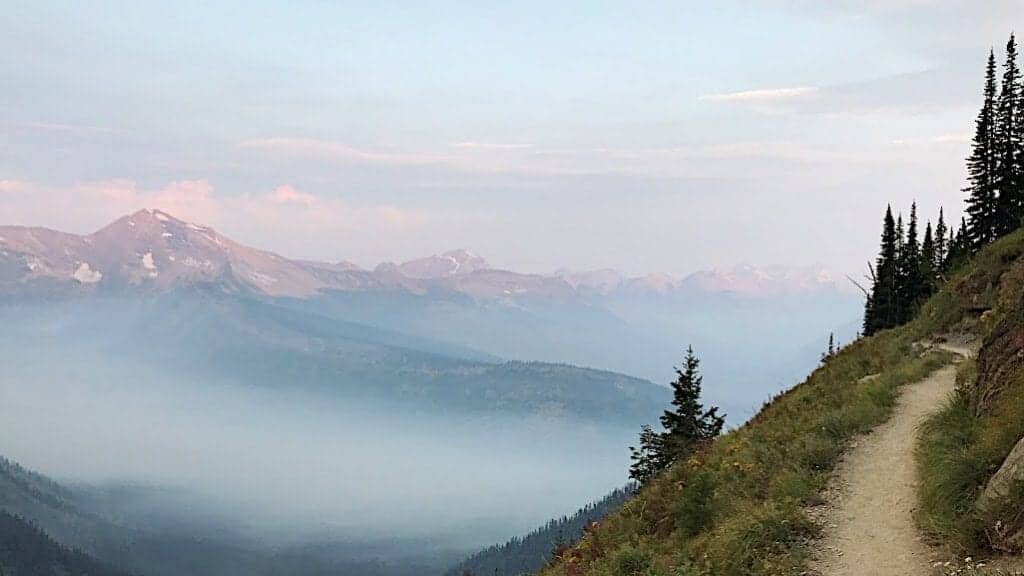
152, 249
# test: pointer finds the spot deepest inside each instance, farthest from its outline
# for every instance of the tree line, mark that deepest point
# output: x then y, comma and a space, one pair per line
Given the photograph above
908, 270
528, 554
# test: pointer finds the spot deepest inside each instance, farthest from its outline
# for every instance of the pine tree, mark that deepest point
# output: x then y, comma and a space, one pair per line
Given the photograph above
911, 281
1010, 146
686, 425
959, 245
926, 264
689, 423
901, 281
881, 310
831, 351
649, 457
983, 164
941, 245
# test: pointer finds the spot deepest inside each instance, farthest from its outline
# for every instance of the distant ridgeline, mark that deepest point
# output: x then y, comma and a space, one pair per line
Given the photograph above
527, 554
909, 268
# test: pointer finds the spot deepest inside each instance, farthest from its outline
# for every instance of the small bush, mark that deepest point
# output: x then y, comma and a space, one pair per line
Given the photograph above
629, 561
695, 508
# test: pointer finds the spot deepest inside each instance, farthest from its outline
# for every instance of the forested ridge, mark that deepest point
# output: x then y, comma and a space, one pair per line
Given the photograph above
25, 550
527, 554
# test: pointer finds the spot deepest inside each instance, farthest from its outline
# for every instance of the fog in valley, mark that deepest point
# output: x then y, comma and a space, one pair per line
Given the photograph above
288, 466
217, 431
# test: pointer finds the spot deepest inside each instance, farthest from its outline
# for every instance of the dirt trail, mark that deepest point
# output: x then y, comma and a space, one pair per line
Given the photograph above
869, 524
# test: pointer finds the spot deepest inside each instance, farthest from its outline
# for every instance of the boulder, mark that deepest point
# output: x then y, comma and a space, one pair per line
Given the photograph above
1000, 502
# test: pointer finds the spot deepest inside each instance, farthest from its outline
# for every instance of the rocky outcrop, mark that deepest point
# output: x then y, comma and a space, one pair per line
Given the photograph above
999, 503
1002, 355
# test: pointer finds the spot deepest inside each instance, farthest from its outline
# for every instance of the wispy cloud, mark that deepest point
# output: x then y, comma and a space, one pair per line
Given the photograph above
957, 138
329, 149
253, 217
68, 128
14, 186
470, 145
763, 95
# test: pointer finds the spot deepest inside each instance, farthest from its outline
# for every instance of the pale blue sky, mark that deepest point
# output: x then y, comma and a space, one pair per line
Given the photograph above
643, 136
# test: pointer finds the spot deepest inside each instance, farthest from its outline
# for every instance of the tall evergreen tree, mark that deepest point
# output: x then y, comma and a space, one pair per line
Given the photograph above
959, 245
941, 245
926, 265
983, 165
686, 425
1010, 145
881, 310
898, 302
911, 282
688, 422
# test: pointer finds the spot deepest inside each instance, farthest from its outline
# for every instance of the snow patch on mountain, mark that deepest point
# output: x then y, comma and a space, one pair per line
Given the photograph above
86, 275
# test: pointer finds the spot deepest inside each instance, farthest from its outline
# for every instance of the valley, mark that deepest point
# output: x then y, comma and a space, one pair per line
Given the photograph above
292, 403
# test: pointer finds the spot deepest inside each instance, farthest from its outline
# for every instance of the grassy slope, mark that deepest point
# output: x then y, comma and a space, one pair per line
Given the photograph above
737, 508
964, 444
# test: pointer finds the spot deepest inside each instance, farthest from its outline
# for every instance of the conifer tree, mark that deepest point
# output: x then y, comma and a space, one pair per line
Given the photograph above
686, 425
941, 245
649, 457
959, 245
881, 310
1010, 146
926, 264
831, 350
911, 281
900, 273
983, 166
689, 423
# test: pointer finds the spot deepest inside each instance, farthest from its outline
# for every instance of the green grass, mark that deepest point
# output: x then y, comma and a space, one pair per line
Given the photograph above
738, 507
961, 446
952, 471
958, 451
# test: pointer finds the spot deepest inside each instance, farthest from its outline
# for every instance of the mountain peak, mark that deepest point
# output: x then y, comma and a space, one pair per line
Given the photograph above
459, 262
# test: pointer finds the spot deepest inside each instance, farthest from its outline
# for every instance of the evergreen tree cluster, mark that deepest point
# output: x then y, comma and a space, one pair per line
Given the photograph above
909, 268
995, 202
528, 554
685, 426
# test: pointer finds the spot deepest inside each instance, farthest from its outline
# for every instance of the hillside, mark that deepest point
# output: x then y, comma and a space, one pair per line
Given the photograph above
49, 529
207, 335
740, 506
529, 553
27, 550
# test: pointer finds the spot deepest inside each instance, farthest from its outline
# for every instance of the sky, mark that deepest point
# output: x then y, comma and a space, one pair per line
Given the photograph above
655, 136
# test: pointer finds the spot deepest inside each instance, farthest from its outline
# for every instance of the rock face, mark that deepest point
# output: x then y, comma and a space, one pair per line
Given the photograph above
1001, 485
998, 503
